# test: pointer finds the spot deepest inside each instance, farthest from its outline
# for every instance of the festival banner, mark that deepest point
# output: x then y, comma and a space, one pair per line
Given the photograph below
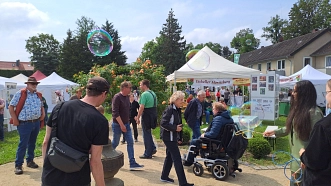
241, 81
290, 79
209, 82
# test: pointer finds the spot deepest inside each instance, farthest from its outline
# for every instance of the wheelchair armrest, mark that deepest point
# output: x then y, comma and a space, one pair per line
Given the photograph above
209, 139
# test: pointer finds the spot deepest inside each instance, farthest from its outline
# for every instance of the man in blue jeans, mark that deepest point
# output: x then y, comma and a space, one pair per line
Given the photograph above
193, 114
28, 123
121, 122
148, 113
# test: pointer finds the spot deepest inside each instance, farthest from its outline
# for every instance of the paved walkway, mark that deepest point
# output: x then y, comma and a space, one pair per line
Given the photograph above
151, 174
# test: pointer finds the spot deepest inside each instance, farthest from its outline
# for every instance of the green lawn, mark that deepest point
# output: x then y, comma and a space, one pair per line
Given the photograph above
9, 146
281, 143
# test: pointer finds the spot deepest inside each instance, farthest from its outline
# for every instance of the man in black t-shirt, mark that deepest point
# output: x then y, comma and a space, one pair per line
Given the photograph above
81, 126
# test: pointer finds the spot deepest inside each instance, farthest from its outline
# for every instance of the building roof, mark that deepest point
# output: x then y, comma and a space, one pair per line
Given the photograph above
280, 50
8, 65
324, 50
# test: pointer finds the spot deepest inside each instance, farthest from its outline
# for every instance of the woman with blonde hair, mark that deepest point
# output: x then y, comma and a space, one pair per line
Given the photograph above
171, 134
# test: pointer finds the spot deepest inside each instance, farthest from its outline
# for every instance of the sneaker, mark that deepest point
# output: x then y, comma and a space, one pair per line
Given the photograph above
136, 166
135, 140
154, 151
167, 180
145, 157
32, 164
18, 170
123, 142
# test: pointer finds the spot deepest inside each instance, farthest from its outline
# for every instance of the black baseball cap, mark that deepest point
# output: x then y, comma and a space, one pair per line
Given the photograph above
98, 83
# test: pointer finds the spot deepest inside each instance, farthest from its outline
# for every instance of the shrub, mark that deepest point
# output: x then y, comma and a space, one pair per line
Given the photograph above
186, 135
259, 147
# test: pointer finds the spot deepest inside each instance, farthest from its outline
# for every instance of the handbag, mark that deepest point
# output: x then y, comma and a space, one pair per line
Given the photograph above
62, 156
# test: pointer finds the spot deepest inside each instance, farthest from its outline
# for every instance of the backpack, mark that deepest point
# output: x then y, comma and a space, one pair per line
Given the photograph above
237, 145
21, 103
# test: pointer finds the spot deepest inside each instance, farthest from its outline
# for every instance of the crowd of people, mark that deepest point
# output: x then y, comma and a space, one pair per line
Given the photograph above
308, 130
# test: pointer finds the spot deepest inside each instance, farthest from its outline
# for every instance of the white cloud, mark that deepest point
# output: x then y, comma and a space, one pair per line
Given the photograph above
204, 35
21, 16
132, 46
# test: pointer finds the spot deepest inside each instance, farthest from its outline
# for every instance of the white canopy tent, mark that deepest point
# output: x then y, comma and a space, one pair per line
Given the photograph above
50, 84
218, 67
318, 78
20, 77
7, 92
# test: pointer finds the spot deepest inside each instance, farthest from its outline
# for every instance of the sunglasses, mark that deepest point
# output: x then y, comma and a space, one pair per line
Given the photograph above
34, 83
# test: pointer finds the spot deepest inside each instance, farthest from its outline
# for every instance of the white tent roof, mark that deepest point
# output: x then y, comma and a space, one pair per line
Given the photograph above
3, 80
55, 79
20, 77
307, 73
218, 67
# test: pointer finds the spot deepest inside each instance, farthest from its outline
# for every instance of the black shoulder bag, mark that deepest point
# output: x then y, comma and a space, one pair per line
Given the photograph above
62, 156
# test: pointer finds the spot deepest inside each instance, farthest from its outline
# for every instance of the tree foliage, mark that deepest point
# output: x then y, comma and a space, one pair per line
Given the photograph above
75, 55
134, 72
239, 42
215, 47
307, 15
171, 45
45, 52
273, 32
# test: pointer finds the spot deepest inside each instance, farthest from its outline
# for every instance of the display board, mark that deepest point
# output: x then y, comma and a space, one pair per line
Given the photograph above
11, 89
265, 95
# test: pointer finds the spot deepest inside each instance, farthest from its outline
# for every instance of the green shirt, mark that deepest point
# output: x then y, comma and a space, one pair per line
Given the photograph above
315, 115
147, 99
44, 102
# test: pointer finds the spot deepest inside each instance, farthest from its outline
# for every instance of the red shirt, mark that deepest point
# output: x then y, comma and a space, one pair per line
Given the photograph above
218, 94
188, 99
207, 93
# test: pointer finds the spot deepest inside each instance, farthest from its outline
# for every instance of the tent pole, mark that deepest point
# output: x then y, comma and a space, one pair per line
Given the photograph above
174, 80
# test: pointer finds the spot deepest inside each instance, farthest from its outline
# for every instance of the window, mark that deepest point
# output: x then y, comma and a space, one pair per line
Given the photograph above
281, 64
328, 62
250, 66
306, 61
269, 66
259, 66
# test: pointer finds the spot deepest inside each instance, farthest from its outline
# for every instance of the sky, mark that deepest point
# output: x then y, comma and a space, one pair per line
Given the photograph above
137, 22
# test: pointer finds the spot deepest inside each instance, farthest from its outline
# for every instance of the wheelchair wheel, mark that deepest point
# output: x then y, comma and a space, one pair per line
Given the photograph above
197, 169
220, 171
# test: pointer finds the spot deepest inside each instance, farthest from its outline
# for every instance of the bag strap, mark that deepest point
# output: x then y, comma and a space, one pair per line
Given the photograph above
153, 97
54, 119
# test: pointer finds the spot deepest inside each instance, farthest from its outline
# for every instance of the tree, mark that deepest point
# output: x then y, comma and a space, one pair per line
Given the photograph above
227, 53
274, 31
240, 42
306, 16
45, 52
69, 56
116, 55
75, 55
149, 50
171, 45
